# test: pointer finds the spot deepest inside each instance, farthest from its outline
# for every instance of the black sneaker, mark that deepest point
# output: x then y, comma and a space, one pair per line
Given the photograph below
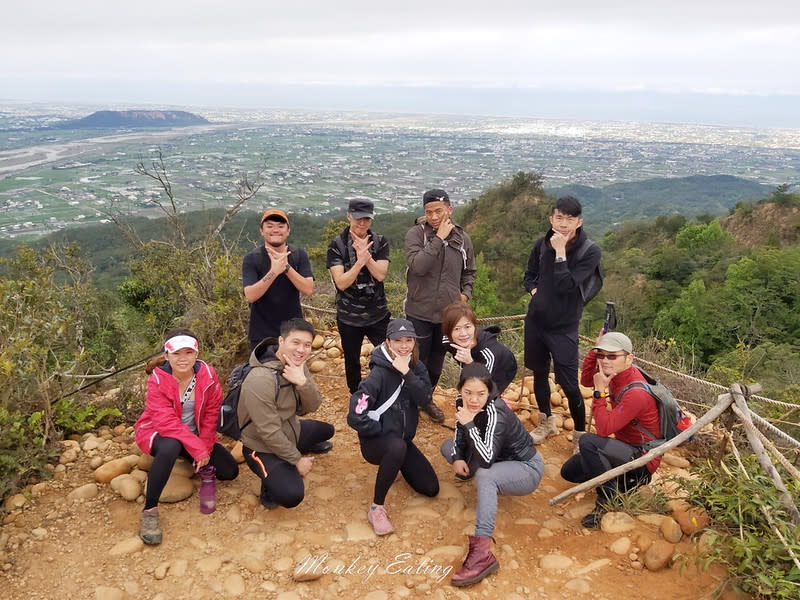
592, 520
434, 412
320, 448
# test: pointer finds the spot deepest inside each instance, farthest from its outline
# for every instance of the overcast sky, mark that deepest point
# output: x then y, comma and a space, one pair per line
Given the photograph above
97, 48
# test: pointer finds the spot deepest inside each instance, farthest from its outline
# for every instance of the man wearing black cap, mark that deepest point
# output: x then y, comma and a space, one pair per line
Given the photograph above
441, 269
358, 260
274, 275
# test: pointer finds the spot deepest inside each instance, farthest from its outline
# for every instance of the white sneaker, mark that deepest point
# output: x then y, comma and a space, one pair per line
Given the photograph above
546, 427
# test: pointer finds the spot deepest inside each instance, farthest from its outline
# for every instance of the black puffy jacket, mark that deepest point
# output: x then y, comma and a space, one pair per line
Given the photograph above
402, 416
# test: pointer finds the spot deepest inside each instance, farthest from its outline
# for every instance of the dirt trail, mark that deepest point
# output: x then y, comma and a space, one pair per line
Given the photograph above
55, 548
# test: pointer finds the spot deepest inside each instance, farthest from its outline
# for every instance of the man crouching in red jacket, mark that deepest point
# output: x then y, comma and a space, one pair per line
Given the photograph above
609, 368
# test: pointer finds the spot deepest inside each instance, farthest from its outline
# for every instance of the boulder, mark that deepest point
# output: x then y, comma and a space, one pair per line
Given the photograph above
178, 488
105, 473
658, 555
671, 530
692, 520
617, 522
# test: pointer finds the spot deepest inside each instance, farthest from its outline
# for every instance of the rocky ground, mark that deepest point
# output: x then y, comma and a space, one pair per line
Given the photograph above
75, 536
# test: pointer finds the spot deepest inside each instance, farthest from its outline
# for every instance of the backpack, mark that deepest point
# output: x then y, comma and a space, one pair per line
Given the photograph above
673, 420
228, 411
592, 285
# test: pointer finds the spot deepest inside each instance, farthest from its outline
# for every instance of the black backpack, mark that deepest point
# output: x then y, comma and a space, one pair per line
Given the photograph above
228, 412
592, 285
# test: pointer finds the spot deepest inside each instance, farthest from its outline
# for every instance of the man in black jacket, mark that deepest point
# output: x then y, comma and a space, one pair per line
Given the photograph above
554, 275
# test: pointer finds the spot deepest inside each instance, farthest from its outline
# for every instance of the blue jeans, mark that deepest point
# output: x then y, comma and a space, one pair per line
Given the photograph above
506, 478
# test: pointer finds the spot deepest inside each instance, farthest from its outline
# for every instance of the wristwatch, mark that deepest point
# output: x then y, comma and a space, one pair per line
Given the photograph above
598, 394
288, 266
560, 259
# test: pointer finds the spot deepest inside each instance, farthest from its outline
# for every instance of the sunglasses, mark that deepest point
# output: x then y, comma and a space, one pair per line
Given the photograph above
601, 356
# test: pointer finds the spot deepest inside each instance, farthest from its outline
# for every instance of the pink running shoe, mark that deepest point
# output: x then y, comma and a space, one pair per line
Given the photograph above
380, 521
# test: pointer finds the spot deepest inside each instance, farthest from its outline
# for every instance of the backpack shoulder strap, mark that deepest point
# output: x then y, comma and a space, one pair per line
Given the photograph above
635, 422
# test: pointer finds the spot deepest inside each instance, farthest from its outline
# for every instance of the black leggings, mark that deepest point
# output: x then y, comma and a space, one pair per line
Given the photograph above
392, 454
165, 452
281, 482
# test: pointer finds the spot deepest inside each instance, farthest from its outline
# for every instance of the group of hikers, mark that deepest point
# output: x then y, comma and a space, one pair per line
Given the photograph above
490, 445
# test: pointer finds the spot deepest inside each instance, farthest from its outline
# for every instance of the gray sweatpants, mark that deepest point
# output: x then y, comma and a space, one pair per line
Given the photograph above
507, 478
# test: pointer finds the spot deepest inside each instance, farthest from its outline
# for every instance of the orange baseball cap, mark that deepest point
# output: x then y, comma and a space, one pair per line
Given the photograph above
274, 212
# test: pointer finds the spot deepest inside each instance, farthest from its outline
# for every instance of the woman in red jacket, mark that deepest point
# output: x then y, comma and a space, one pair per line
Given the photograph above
179, 419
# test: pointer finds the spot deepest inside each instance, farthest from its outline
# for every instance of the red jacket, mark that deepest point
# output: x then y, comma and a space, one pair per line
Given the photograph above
162, 411
635, 404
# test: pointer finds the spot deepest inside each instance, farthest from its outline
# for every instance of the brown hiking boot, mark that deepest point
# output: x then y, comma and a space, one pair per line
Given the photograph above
546, 428
434, 412
479, 562
149, 528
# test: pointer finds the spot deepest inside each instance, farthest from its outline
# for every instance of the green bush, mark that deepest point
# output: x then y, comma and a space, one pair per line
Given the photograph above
743, 538
23, 448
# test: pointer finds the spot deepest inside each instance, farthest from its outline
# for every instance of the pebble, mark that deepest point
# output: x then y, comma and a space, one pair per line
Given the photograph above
39, 533
14, 502
578, 585
617, 522
671, 530
209, 564
161, 570
674, 460
555, 561
233, 585
658, 555
284, 563
88, 490
358, 532
130, 489
69, 456
95, 462
39, 488
621, 546
103, 592
651, 519
177, 568
128, 546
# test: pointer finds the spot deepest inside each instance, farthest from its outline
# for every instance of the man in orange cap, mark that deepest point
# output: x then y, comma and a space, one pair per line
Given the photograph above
274, 275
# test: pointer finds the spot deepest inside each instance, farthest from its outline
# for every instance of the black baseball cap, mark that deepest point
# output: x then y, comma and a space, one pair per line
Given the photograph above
435, 196
360, 208
399, 328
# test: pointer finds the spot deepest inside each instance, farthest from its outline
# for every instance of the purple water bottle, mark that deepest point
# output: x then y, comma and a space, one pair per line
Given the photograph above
208, 489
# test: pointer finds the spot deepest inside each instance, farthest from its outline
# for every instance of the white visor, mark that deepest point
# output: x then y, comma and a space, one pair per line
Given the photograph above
178, 342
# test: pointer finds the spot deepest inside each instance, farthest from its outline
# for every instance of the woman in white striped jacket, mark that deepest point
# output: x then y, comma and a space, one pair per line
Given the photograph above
491, 445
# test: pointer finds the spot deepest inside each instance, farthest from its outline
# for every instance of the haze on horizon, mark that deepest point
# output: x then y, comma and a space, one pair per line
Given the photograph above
687, 61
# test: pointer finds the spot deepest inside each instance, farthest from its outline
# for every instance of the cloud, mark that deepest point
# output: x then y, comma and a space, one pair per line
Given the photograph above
742, 47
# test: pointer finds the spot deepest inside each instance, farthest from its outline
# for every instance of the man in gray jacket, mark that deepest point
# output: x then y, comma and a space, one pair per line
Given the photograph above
441, 269
274, 393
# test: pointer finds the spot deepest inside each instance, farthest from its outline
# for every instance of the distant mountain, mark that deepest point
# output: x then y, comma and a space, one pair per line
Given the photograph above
688, 196
136, 118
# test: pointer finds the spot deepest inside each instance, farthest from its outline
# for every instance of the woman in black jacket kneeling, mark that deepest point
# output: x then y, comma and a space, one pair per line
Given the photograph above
384, 412
491, 445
